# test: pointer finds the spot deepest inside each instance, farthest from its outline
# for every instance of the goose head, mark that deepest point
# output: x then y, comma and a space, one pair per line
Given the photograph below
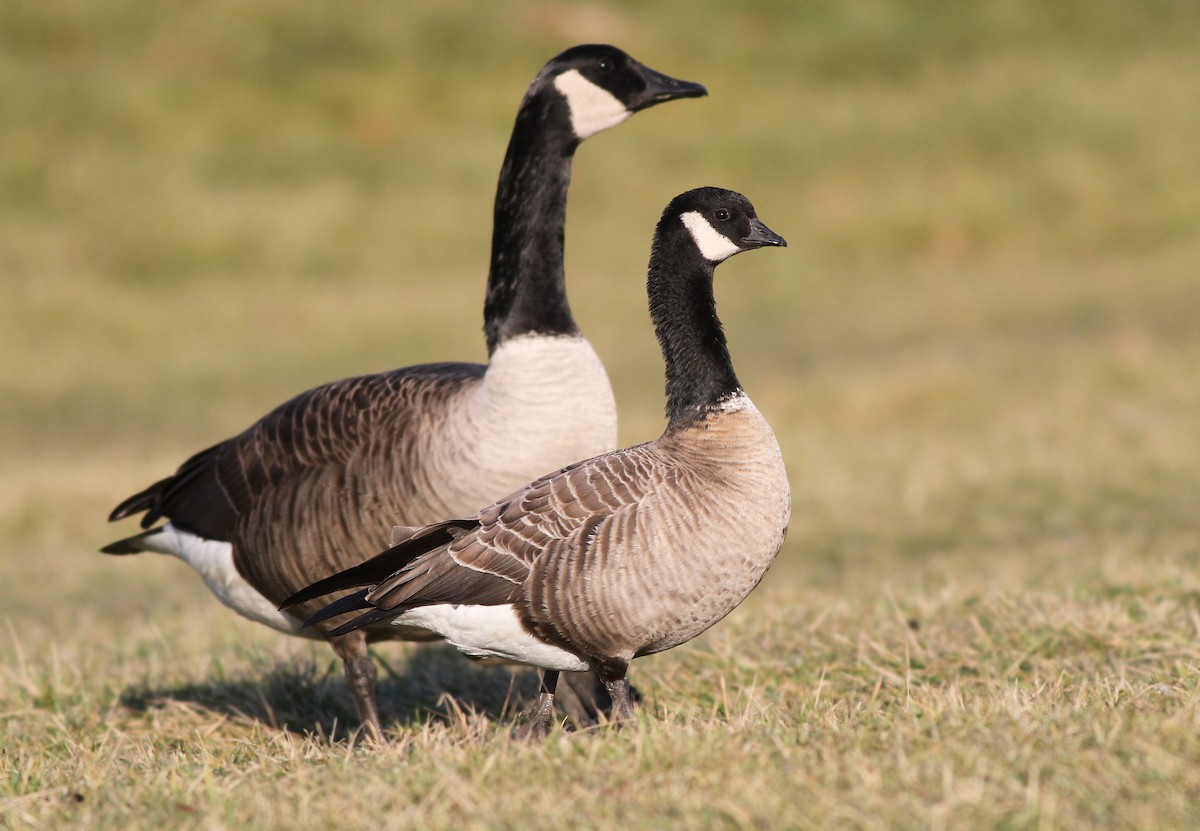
602, 86
721, 223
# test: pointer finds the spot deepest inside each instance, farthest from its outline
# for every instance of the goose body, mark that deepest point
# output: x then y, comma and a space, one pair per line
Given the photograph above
625, 554
616, 514
305, 490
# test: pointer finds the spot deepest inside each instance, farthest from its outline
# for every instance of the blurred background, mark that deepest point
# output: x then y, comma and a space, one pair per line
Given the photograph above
981, 351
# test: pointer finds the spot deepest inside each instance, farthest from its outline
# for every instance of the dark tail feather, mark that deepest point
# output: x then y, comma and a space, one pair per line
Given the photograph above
146, 500
381, 566
365, 620
129, 545
349, 603
373, 571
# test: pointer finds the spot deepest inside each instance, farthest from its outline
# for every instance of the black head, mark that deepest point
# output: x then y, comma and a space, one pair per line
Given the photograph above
719, 223
698, 229
603, 86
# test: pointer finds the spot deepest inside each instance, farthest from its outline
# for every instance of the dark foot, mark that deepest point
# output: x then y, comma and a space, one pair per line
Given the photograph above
585, 699
540, 717
619, 692
360, 677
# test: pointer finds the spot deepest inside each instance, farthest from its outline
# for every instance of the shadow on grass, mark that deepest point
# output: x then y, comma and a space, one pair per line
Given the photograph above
309, 696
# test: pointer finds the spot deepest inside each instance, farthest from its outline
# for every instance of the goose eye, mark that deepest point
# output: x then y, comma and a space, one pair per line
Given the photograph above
604, 65
721, 214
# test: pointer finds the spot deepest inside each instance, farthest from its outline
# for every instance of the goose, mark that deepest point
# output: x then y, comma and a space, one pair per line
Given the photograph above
626, 554
303, 491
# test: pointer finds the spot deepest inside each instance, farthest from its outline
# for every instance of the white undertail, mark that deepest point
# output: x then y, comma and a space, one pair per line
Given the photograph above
490, 632
213, 561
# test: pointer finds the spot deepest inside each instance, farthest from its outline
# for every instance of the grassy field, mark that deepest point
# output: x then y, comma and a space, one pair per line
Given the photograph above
981, 354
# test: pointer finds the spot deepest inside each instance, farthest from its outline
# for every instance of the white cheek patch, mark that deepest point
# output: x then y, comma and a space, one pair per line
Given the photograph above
592, 109
713, 245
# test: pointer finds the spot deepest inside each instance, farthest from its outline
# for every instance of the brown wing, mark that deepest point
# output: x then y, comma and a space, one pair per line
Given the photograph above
551, 519
317, 455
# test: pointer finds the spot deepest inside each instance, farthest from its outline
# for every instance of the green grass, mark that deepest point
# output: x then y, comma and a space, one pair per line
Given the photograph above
981, 354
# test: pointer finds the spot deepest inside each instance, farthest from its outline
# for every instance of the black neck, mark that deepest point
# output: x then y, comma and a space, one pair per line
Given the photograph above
699, 372
526, 291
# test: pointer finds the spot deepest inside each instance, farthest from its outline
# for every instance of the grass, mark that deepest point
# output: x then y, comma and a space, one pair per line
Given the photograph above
980, 354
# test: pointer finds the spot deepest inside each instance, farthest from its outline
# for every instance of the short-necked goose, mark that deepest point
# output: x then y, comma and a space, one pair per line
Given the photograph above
306, 490
626, 554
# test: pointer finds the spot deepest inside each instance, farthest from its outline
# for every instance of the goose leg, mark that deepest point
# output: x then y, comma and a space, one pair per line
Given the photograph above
360, 677
622, 707
584, 698
541, 715
612, 673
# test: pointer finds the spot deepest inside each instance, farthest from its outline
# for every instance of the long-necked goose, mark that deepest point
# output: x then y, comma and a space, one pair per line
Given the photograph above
306, 490
626, 554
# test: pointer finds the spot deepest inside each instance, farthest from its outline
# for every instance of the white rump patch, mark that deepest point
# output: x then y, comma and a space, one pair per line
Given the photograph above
592, 108
490, 632
213, 560
714, 246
